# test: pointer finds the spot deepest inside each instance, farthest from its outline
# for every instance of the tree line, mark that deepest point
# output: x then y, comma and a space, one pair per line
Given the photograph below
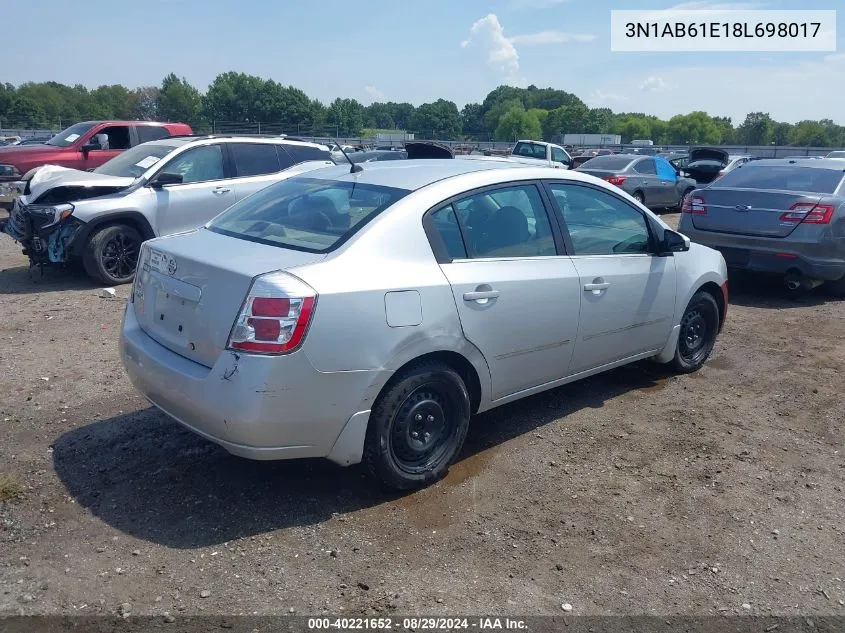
506, 113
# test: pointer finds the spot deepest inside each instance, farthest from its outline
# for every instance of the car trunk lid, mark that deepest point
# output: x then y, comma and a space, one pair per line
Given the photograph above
749, 212
191, 287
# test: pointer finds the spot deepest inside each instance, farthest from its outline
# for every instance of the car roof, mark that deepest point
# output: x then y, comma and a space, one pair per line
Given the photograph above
411, 174
799, 161
178, 141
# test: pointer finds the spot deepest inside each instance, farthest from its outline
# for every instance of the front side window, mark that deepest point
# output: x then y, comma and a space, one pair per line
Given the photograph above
308, 214
558, 155
600, 223
506, 222
198, 164
117, 135
254, 159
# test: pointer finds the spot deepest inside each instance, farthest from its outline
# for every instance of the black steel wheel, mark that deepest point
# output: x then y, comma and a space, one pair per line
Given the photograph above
112, 254
417, 427
699, 327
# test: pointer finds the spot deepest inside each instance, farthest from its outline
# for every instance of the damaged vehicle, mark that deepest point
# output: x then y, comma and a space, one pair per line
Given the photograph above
100, 218
706, 164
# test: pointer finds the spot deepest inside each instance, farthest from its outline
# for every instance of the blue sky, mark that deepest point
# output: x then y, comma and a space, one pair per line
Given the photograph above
417, 51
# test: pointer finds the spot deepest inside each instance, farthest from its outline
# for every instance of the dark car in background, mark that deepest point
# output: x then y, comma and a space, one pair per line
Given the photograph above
651, 180
706, 164
780, 216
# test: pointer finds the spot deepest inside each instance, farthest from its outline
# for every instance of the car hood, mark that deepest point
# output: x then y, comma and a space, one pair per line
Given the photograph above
708, 153
51, 177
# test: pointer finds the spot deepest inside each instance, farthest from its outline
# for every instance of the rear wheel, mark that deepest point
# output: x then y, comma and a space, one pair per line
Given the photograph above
638, 196
112, 253
699, 327
417, 427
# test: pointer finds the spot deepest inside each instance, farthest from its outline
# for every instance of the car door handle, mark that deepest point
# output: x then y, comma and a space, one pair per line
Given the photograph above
596, 286
219, 191
481, 294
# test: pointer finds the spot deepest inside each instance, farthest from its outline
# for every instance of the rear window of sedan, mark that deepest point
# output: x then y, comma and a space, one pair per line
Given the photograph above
611, 163
781, 178
307, 214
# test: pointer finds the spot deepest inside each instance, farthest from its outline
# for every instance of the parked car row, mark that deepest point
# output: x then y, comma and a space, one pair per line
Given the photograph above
285, 306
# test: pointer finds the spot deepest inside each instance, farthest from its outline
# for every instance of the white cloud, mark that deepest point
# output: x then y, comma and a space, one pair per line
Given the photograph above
654, 84
374, 93
489, 35
600, 98
551, 37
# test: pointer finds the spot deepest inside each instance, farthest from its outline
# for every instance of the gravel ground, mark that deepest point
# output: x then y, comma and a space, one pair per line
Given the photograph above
635, 492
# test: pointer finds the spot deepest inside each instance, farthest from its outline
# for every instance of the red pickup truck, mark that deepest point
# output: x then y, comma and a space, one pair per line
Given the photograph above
81, 146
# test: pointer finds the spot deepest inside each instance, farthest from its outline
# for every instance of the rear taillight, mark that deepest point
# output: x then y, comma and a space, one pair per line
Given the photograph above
694, 205
275, 315
808, 213
616, 180
139, 267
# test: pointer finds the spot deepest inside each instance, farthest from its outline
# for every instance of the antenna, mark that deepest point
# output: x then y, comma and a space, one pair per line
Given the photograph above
355, 167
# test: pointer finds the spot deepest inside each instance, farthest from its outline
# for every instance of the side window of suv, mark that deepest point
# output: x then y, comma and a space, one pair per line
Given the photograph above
254, 159
600, 223
148, 133
302, 153
198, 164
118, 136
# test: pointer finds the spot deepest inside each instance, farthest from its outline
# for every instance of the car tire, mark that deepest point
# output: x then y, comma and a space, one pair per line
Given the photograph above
111, 254
699, 327
417, 427
639, 197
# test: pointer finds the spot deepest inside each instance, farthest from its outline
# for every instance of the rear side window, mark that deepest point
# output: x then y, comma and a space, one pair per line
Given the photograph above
782, 178
307, 214
151, 133
611, 163
646, 167
199, 164
507, 222
254, 159
445, 222
530, 150
302, 153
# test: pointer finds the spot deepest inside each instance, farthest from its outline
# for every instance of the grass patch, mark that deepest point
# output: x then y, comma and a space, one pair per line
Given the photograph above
10, 488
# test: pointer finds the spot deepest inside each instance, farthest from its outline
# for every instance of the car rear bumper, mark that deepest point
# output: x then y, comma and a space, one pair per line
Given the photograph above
771, 255
258, 407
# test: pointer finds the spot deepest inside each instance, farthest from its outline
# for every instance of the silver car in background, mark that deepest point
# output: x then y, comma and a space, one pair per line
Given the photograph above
156, 188
366, 314
780, 216
650, 180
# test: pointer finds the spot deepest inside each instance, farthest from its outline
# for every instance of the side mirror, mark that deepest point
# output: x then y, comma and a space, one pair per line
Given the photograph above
673, 243
91, 145
165, 178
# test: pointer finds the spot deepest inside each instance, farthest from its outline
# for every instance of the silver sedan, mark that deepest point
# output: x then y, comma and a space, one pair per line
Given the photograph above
365, 314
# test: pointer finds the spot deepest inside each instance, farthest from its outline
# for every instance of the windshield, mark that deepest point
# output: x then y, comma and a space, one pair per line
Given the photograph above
781, 178
306, 214
134, 162
610, 163
68, 137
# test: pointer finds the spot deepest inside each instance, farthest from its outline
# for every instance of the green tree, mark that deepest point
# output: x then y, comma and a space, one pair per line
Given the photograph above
472, 121
756, 129
178, 100
232, 97
567, 119
516, 123
599, 121
781, 133
346, 116
25, 112
439, 119
809, 134
632, 126
694, 128
726, 128
7, 93
145, 103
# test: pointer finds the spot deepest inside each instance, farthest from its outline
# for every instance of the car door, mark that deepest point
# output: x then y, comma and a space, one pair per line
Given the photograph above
517, 294
627, 291
204, 191
667, 177
645, 176
255, 166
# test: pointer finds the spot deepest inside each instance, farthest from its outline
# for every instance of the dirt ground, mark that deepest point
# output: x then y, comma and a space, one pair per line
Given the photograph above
635, 492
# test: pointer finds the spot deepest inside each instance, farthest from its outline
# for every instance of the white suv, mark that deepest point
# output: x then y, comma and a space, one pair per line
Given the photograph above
166, 186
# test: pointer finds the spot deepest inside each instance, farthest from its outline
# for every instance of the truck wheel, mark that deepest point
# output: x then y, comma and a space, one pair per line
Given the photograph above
417, 427
112, 254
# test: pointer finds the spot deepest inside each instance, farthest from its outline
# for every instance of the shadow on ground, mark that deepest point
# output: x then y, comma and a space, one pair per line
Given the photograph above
148, 477
22, 280
767, 291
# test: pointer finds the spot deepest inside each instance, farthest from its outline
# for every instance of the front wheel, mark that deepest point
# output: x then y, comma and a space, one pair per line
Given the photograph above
699, 327
417, 427
112, 254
